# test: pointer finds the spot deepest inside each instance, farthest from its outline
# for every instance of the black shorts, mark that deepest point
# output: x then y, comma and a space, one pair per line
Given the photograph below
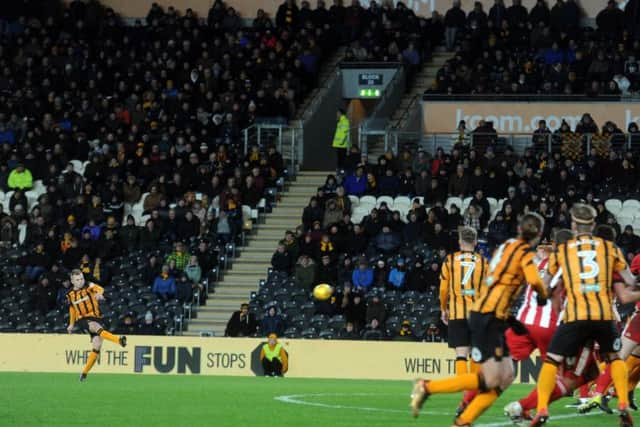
459, 334
83, 325
487, 337
570, 337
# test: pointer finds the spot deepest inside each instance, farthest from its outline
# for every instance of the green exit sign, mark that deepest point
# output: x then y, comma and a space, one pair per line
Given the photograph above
370, 93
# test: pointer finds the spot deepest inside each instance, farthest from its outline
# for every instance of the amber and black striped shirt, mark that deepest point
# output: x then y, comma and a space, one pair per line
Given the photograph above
461, 276
587, 264
83, 302
511, 267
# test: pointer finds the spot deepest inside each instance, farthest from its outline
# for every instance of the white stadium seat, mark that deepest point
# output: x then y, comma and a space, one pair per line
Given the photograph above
624, 220
631, 204
613, 205
355, 201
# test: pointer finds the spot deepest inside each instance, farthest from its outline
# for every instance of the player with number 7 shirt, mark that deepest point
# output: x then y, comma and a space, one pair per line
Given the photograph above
462, 274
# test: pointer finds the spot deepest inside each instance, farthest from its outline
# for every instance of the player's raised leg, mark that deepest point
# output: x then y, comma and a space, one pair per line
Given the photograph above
97, 329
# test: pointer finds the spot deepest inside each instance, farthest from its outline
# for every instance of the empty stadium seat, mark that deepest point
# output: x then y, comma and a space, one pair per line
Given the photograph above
613, 205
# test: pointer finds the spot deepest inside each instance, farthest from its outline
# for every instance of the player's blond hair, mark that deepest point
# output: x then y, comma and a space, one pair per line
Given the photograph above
583, 216
468, 235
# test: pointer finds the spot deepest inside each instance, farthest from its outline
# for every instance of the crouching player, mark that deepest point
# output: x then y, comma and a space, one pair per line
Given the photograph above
574, 373
84, 310
629, 352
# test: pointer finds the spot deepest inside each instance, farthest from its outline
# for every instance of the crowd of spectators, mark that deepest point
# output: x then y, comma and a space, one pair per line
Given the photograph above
510, 50
98, 116
390, 250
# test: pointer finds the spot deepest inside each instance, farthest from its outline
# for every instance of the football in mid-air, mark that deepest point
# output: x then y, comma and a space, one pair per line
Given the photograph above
322, 292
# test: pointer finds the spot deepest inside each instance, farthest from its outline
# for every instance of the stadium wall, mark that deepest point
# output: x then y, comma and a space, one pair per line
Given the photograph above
522, 117
248, 8
237, 356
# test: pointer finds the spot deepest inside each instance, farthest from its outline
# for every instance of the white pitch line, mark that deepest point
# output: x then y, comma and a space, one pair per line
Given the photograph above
297, 399
552, 418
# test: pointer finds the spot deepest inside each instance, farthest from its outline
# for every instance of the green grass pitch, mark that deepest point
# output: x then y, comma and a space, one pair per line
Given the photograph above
154, 400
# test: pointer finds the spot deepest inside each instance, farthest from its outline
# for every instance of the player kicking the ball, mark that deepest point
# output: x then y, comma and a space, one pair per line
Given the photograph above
511, 264
84, 310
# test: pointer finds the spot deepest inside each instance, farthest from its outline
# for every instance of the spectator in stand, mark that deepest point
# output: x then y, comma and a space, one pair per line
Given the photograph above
373, 332
305, 272
164, 285
387, 241
376, 310
405, 333
416, 278
362, 277
458, 183
397, 275
20, 178
628, 241
356, 184
242, 323
272, 323
180, 256
454, 21
281, 260
348, 333
312, 213
610, 21
355, 309
148, 326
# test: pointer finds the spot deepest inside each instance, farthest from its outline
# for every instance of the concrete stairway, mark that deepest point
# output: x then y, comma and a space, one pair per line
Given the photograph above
255, 258
411, 100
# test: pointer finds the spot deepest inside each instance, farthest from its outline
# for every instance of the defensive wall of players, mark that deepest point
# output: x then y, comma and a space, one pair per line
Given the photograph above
230, 356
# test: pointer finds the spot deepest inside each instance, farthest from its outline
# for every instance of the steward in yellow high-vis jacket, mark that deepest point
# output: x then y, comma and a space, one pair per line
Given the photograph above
341, 138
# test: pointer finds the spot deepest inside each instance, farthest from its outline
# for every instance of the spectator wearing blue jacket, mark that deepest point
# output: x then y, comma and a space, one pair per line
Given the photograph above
553, 55
272, 323
356, 184
164, 285
397, 275
362, 277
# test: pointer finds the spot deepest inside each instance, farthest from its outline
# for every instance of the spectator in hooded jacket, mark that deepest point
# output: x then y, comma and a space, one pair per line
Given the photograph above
397, 275
281, 259
356, 184
272, 323
362, 277
164, 285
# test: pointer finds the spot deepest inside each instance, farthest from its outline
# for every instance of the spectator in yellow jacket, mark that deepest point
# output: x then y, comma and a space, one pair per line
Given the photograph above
20, 178
274, 358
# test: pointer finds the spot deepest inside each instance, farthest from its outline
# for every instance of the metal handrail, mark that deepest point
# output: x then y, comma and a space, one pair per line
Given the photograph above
518, 141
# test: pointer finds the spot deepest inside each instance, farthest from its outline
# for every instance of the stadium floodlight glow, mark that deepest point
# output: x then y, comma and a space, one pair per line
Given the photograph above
369, 93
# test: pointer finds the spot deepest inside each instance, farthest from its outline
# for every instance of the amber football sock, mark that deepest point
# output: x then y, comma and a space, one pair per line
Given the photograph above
620, 381
546, 384
91, 360
454, 384
461, 366
477, 406
109, 336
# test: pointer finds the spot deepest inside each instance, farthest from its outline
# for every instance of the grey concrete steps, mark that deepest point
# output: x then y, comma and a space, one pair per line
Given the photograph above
251, 266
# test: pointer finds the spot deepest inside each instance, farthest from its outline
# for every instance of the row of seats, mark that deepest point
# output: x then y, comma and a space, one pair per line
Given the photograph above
627, 212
